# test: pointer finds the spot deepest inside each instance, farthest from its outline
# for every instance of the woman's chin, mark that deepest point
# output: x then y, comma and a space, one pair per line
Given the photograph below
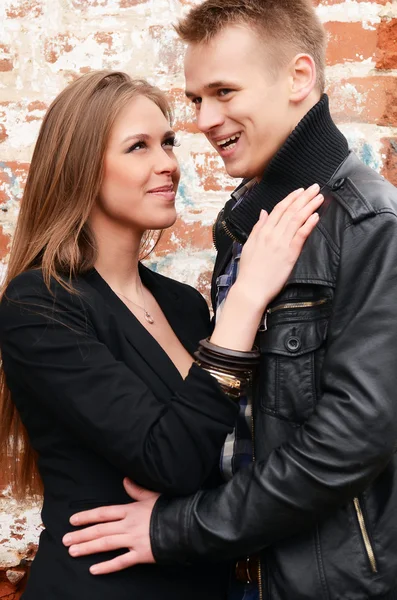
166, 222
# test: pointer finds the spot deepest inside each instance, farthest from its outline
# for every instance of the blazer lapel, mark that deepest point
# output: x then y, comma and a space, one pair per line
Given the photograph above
160, 371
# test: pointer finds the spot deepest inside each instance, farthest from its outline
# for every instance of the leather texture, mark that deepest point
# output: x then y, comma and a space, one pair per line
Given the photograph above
319, 503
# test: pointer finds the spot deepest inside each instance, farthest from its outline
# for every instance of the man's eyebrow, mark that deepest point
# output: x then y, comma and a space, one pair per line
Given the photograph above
145, 137
211, 86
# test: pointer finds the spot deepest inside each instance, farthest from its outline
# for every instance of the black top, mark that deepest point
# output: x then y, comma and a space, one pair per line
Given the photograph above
101, 400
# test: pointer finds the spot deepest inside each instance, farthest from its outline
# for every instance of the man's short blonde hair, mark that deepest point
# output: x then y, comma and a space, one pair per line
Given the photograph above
287, 27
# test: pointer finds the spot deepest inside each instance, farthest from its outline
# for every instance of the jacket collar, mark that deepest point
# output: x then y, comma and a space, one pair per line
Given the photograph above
162, 371
311, 154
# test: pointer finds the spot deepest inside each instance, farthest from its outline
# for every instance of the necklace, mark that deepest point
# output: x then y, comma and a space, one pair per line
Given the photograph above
146, 314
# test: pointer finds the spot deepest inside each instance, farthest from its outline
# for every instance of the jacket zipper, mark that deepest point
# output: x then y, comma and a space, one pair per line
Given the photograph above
213, 235
290, 305
228, 232
365, 536
260, 587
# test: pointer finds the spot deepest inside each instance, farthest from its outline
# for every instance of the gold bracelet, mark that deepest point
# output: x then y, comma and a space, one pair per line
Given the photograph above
231, 385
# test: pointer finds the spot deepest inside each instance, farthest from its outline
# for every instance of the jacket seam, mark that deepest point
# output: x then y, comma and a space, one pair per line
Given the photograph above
350, 184
335, 249
381, 211
320, 564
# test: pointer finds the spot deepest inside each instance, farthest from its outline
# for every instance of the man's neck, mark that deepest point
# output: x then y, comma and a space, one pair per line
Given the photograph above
311, 154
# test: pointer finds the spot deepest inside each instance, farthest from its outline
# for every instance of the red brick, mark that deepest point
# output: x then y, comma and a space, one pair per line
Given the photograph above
25, 8
211, 173
9, 591
37, 105
182, 235
3, 133
349, 42
9, 172
105, 39
129, 3
390, 164
185, 118
7, 59
387, 45
86, 4
54, 47
5, 241
204, 285
170, 50
365, 100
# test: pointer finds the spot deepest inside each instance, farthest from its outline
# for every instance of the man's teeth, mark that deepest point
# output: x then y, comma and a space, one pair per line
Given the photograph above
234, 138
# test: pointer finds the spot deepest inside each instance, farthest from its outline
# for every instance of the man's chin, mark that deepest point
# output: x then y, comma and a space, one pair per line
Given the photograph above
237, 171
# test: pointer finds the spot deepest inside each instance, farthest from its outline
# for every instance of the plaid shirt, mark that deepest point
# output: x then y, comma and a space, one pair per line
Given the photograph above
238, 449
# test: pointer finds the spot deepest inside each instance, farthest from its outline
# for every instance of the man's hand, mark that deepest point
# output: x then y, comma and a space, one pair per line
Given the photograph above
123, 526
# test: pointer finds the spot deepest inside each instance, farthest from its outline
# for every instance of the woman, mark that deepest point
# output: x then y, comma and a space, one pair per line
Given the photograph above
98, 376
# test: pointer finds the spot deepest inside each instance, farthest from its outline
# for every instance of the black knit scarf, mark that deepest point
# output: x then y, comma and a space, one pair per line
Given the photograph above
311, 154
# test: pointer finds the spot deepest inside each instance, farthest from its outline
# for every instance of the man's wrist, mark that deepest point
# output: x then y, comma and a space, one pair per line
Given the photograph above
168, 533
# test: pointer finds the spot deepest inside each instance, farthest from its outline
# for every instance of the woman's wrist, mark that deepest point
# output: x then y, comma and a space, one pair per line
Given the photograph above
238, 322
246, 301
231, 368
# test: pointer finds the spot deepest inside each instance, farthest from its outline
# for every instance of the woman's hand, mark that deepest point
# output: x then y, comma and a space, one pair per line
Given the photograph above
275, 243
122, 526
266, 262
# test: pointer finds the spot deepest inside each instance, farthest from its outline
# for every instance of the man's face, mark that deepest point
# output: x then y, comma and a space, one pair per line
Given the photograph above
242, 106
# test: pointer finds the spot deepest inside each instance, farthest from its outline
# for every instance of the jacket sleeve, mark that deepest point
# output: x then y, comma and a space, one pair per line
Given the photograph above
342, 447
50, 348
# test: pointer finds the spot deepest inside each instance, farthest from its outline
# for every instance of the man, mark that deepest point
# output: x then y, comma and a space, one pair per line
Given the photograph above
314, 517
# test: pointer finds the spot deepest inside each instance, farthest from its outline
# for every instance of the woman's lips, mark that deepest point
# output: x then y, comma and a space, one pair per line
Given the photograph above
166, 192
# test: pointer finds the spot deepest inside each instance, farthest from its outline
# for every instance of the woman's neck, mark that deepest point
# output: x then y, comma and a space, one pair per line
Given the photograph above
118, 256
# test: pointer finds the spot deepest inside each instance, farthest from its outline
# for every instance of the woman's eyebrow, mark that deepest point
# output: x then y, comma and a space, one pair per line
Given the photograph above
145, 137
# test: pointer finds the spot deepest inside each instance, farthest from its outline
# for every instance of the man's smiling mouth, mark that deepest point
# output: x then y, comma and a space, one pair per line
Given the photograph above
228, 142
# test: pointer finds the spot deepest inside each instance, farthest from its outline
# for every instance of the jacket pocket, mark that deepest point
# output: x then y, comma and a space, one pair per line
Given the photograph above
365, 534
292, 352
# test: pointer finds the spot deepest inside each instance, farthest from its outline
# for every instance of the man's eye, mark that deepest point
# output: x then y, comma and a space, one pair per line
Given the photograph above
224, 92
172, 141
196, 101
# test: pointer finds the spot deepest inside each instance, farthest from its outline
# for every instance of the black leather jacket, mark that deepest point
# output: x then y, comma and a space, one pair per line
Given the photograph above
320, 502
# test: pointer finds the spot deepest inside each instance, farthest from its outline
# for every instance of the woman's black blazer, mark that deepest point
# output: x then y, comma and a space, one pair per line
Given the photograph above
101, 400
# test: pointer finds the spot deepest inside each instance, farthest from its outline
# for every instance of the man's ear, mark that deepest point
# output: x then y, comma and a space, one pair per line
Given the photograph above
303, 76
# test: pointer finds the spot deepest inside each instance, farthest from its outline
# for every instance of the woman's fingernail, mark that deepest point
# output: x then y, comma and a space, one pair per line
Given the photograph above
74, 520
315, 186
94, 570
73, 550
67, 540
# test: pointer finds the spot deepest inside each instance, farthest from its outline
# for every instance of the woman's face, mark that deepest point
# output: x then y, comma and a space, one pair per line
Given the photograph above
141, 172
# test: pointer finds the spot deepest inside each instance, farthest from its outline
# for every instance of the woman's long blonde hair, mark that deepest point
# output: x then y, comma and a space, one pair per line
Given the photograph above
52, 231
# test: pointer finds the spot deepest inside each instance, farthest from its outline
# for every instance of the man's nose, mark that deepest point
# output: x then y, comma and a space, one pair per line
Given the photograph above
209, 116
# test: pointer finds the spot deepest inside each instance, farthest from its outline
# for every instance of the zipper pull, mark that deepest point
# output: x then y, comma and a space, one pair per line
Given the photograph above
263, 327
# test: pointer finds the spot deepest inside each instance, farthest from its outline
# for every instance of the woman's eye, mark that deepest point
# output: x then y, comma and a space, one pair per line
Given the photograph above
137, 146
171, 142
196, 101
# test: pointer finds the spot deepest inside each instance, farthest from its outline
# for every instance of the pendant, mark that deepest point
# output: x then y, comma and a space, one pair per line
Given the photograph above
148, 317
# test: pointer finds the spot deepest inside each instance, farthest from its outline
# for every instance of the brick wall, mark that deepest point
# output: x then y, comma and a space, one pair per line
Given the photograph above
44, 44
